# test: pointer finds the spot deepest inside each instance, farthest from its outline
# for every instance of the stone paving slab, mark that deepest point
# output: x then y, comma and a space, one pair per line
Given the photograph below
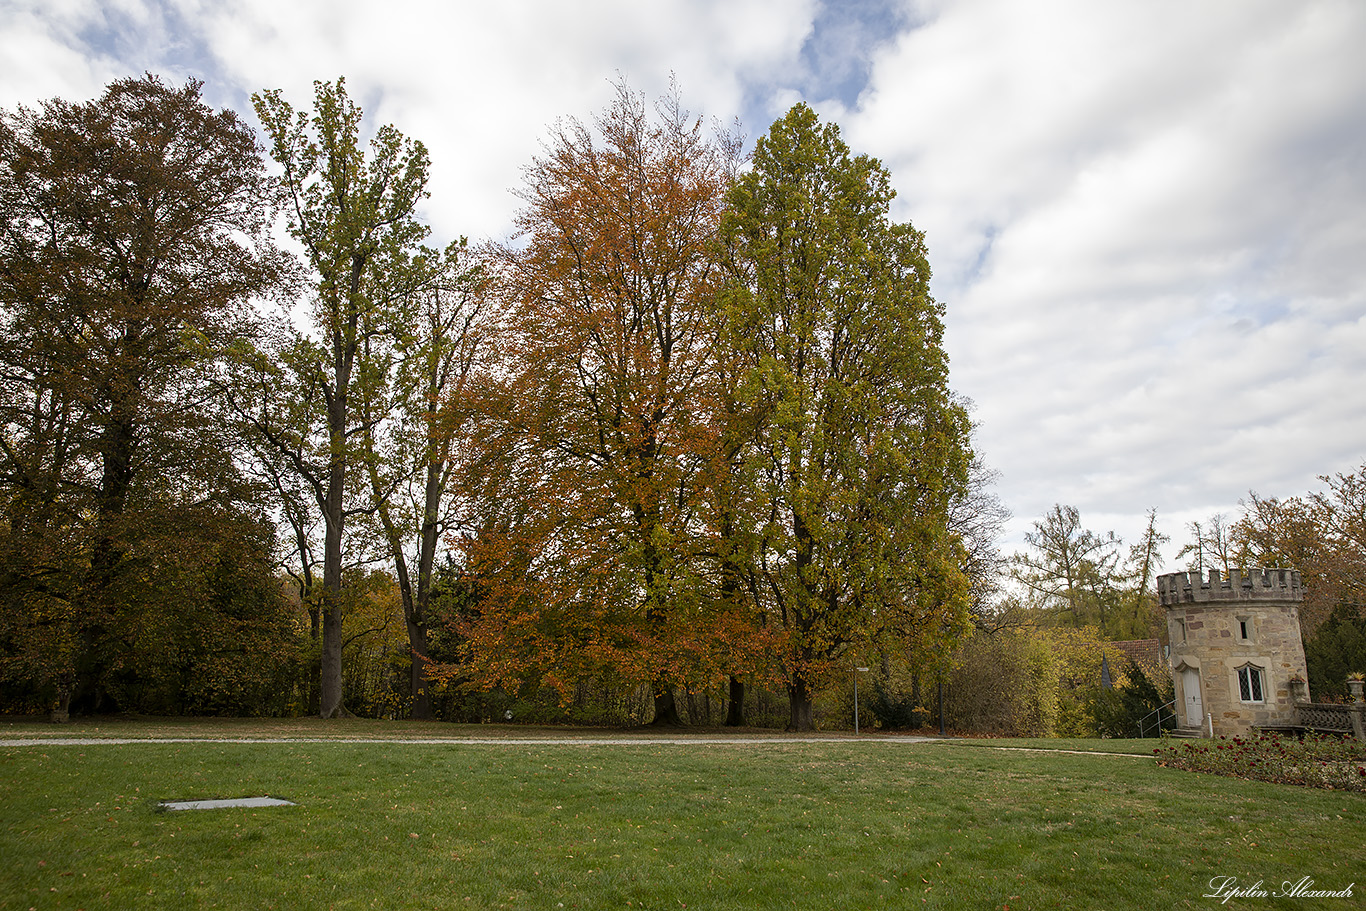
174, 805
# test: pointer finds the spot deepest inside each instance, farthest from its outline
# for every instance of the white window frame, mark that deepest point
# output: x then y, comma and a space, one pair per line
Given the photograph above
1252, 682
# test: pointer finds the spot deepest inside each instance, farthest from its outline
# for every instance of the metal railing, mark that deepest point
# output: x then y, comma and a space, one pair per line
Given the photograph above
1144, 726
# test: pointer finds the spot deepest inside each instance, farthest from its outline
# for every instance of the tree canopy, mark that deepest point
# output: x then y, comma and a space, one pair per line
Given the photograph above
355, 215
135, 239
607, 402
690, 430
862, 450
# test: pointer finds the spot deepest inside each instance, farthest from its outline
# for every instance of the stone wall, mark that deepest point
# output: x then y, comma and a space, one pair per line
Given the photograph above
1218, 626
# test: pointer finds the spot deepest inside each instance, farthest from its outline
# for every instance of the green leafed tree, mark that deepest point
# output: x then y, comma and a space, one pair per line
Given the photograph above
1071, 570
862, 450
417, 424
135, 236
354, 213
1145, 618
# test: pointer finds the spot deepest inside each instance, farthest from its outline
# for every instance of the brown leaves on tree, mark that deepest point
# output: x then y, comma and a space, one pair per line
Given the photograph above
135, 236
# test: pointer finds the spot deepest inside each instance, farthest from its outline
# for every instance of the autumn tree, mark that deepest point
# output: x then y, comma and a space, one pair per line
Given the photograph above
135, 237
1340, 512
1322, 534
978, 516
863, 449
417, 416
608, 285
354, 215
1210, 546
1145, 559
1071, 569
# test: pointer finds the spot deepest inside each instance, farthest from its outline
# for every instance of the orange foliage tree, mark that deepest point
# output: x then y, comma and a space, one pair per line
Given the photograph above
1322, 534
592, 553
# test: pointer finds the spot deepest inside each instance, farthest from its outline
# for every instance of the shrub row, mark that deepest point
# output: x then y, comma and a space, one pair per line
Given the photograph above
1317, 761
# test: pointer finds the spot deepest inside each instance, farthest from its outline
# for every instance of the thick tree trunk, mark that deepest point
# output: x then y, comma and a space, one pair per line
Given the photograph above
334, 508
695, 712
666, 708
735, 711
800, 707
426, 559
118, 447
330, 680
417, 677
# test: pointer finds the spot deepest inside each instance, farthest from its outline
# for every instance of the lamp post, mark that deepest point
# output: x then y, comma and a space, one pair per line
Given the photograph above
856, 673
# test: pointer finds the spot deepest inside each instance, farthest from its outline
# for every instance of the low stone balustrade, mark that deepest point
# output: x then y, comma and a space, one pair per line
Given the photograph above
1329, 717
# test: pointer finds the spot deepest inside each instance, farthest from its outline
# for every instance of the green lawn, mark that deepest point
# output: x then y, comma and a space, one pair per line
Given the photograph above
833, 825
1075, 744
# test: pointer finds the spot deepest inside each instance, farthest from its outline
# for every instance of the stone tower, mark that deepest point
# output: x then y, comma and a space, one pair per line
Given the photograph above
1235, 647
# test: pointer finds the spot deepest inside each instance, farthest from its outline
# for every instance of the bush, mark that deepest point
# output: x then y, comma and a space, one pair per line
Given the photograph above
1118, 712
1334, 651
897, 711
1317, 761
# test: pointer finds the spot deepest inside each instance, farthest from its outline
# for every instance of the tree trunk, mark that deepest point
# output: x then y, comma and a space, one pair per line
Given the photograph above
118, 450
426, 559
61, 713
800, 707
330, 677
417, 677
735, 711
334, 517
666, 708
330, 680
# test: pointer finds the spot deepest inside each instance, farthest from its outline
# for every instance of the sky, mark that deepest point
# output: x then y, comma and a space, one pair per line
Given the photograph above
1146, 218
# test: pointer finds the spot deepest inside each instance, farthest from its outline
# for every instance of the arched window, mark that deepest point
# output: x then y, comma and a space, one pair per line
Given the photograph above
1251, 683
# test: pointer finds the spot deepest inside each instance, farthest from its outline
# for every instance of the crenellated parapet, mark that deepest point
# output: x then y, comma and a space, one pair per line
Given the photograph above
1240, 585
1236, 652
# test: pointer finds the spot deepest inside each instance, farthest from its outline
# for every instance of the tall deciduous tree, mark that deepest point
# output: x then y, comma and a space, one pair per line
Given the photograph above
1145, 558
354, 214
425, 385
1210, 545
1340, 512
609, 290
977, 516
863, 449
135, 234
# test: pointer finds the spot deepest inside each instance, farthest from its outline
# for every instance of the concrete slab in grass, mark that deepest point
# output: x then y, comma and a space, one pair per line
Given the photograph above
171, 805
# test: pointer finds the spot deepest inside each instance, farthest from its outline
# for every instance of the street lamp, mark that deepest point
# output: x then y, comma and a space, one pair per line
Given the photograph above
856, 673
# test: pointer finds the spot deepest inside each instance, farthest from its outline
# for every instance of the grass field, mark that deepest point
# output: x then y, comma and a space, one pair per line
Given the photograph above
840, 824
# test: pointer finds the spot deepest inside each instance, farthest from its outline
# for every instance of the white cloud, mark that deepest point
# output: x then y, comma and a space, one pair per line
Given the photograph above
481, 84
1142, 219
1145, 218
42, 56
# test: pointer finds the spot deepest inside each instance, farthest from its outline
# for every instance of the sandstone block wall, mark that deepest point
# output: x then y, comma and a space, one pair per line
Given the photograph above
1217, 626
